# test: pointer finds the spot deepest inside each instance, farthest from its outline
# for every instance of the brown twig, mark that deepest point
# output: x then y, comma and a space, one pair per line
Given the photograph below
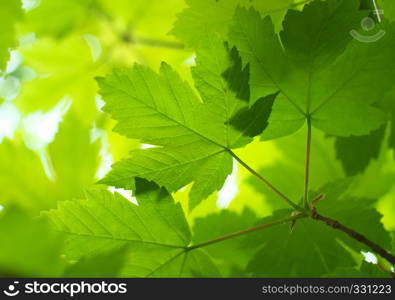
354, 235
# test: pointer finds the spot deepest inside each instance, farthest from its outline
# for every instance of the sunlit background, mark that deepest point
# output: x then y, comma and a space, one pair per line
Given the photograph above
56, 142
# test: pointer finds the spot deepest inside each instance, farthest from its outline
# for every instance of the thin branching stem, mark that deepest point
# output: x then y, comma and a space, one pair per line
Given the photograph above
315, 216
246, 231
266, 182
355, 235
307, 167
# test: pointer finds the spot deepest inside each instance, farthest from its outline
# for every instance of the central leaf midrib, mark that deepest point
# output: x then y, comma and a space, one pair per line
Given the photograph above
312, 59
111, 237
223, 91
175, 165
326, 101
171, 119
270, 77
170, 260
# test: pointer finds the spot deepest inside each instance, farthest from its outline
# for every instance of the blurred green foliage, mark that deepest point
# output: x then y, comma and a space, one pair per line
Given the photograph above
56, 142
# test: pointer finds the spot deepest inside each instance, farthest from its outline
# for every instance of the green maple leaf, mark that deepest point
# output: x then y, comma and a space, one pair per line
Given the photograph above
21, 255
155, 232
195, 137
312, 248
249, 79
321, 72
213, 16
10, 13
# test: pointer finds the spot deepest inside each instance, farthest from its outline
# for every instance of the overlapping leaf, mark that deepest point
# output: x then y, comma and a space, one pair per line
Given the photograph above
211, 16
28, 247
321, 72
155, 232
196, 137
368, 147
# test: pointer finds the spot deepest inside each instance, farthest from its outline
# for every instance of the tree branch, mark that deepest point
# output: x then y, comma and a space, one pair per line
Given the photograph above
354, 235
316, 216
266, 182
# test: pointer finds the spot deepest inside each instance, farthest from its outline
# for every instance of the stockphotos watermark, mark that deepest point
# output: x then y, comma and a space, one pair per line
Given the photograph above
368, 25
70, 289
